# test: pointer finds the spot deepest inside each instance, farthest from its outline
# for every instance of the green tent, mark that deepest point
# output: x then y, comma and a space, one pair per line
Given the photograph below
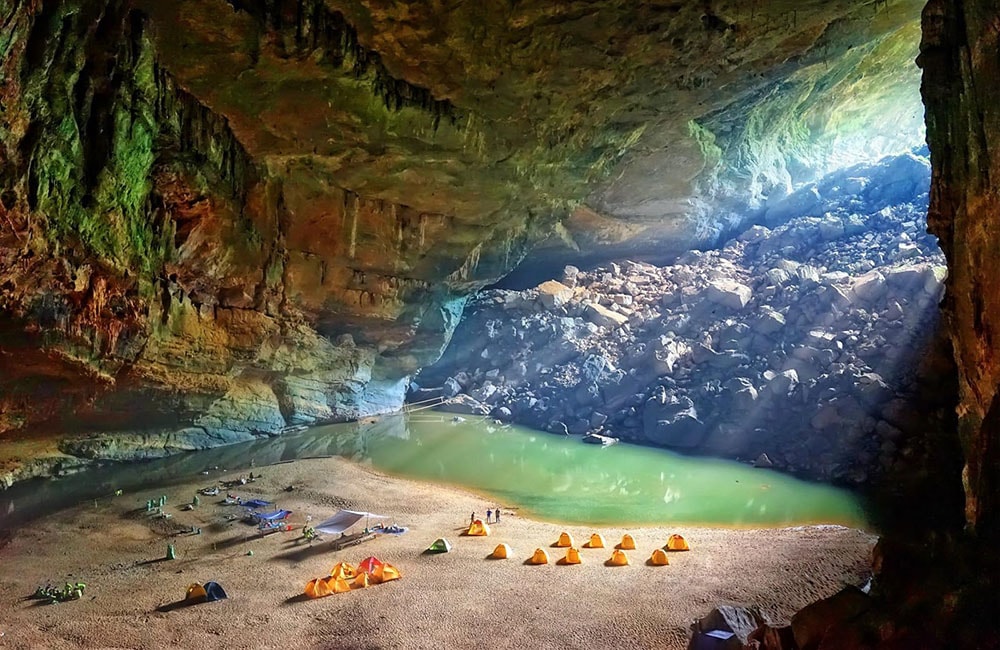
440, 545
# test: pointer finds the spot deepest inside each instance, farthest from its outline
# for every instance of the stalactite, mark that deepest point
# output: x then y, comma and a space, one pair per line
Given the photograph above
316, 27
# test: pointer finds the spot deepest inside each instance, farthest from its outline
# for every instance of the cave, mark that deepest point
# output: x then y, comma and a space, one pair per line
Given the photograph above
752, 232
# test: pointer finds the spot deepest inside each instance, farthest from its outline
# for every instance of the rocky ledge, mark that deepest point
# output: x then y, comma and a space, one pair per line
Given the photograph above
800, 343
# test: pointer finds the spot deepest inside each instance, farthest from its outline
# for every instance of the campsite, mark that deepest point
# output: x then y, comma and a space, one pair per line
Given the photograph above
586, 605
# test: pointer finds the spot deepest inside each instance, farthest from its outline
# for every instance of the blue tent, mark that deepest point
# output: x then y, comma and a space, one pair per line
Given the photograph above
256, 503
214, 591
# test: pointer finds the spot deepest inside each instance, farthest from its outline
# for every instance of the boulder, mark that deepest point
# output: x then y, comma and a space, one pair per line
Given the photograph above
604, 317
810, 624
672, 422
552, 294
870, 287
741, 622
729, 293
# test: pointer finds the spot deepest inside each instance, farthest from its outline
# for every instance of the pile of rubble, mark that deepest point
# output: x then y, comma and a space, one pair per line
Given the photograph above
797, 344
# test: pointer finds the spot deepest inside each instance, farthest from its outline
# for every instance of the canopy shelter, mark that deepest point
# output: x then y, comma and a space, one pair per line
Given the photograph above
344, 519
277, 515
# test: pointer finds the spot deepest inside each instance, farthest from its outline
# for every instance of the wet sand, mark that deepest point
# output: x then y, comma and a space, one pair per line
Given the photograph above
454, 600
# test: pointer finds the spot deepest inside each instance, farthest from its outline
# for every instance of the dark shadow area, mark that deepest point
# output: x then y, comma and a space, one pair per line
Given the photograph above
179, 604
298, 598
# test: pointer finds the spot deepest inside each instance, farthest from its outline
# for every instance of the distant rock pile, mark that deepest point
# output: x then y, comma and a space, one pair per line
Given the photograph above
797, 344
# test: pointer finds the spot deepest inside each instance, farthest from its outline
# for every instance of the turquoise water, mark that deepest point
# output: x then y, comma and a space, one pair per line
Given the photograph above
561, 479
542, 475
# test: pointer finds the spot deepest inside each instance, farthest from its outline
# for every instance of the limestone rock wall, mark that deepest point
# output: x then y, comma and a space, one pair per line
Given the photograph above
959, 56
156, 276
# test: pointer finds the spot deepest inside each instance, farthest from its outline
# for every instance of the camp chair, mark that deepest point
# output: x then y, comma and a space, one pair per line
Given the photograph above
596, 541
659, 558
627, 543
677, 543
564, 541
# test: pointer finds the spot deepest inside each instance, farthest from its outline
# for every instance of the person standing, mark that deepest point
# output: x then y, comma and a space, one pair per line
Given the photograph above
489, 513
472, 519
496, 516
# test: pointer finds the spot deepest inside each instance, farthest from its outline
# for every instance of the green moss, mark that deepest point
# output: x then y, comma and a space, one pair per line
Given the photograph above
116, 227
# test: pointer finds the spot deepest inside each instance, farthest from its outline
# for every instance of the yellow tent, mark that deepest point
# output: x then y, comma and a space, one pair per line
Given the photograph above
501, 552
618, 558
196, 593
540, 557
478, 529
659, 558
317, 588
572, 557
342, 570
564, 541
386, 572
338, 585
627, 543
677, 543
361, 581
596, 541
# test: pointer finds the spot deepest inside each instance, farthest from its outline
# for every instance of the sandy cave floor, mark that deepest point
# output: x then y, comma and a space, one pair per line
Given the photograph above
454, 600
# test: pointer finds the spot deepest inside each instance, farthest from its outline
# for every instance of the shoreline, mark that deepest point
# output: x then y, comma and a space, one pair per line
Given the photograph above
439, 600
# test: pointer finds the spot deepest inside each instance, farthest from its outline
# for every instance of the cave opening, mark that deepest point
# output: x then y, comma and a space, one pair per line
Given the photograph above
798, 329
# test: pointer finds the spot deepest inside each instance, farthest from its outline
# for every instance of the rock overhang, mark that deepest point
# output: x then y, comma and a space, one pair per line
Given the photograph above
213, 192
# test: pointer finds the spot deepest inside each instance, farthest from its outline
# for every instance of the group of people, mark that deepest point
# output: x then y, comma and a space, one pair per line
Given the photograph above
492, 516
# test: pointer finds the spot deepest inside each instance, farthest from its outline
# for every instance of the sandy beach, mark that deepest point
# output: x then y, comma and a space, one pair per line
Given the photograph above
454, 600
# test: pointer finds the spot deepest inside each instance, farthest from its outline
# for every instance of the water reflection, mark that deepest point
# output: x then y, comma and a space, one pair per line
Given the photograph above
544, 475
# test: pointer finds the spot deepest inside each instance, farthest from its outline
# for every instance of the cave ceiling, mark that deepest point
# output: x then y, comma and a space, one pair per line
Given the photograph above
639, 119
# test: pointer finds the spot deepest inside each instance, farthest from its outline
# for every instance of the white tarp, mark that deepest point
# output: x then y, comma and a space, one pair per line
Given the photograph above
343, 520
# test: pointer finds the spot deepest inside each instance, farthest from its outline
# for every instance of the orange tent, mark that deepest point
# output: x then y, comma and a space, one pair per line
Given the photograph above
540, 557
564, 541
338, 585
196, 593
659, 558
317, 588
361, 581
618, 558
572, 557
342, 570
478, 529
501, 552
369, 565
386, 572
596, 541
677, 543
627, 543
